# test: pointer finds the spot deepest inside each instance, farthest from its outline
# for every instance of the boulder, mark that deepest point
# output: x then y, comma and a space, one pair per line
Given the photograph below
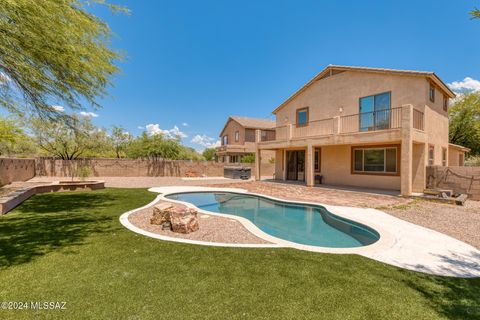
184, 220
161, 213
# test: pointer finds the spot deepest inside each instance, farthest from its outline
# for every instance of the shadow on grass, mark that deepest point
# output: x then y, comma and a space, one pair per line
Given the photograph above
452, 297
49, 222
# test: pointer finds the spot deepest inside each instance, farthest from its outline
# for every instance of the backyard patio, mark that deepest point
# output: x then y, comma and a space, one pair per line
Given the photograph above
71, 247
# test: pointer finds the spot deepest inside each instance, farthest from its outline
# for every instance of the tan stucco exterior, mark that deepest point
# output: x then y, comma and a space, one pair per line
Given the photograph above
235, 149
414, 123
456, 155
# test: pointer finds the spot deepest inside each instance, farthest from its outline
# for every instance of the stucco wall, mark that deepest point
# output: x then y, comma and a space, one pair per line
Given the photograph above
13, 169
336, 170
230, 129
136, 168
326, 96
458, 179
454, 157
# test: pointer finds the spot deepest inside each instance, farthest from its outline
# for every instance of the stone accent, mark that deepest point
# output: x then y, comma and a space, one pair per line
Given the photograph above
161, 213
459, 179
184, 220
178, 219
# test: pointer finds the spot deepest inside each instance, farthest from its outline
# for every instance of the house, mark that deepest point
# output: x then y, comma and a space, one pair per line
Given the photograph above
239, 137
367, 127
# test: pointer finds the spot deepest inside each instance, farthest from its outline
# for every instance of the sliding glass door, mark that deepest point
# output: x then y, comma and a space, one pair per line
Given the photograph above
375, 112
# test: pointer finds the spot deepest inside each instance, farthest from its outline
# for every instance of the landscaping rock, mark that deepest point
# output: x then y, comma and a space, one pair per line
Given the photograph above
161, 213
184, 220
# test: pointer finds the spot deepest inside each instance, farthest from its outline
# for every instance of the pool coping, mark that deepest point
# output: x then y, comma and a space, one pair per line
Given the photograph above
380, 250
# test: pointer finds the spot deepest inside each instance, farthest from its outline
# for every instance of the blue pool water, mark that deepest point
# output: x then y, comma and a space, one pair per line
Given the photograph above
304, 224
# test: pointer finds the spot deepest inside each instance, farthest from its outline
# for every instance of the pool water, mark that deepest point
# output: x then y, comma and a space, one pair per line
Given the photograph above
304, 224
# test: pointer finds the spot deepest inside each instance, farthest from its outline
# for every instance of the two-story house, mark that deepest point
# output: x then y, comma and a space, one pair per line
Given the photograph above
240, 135
368, 127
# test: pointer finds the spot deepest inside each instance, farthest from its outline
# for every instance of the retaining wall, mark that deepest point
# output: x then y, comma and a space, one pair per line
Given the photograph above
459, 179
15, 169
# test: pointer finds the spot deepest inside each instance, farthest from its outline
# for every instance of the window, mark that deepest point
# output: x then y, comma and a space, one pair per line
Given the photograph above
375, 112
431, 155
444, 157
445, 103
375, 160
317, 164
237, 136
234, 159
249, 135
225, 140
302, 117
263, 135
431, 93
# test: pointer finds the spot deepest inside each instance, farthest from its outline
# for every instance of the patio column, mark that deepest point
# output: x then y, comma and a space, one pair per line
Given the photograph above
258, 162
309, 161
406, 162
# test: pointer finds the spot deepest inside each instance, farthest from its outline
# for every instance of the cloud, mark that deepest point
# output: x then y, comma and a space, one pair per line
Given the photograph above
153, 129
185, 124
205, 141
88, 114
141, 127
468, 84
58, 108
4, 78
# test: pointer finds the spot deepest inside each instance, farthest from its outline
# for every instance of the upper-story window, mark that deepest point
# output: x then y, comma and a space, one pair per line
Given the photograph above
249, 135
431, 155
225, 140
302, 117
445, 103
237, 136
375, 112
431, 93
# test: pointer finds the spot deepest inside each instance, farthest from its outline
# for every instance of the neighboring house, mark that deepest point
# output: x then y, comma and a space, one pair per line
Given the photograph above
368, 127
239, 137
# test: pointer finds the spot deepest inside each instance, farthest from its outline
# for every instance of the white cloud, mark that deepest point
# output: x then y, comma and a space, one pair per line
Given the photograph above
141, 127
205, 141
468, 84
88, 114
185, 124
153, 129
58, 108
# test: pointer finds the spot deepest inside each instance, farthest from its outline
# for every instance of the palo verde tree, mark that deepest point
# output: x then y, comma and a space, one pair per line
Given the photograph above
464, 117
475, 13
67, 140
53, 52
120, 139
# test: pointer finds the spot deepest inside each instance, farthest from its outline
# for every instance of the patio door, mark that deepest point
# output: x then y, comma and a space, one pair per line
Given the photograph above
296, 165
374, 112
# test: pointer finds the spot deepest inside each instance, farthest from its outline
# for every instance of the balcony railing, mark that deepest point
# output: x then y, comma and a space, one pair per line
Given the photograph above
362, 122
314, 128
372, 121
418, 119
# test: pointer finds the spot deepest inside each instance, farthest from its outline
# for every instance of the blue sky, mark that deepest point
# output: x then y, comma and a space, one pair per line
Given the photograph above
191, 64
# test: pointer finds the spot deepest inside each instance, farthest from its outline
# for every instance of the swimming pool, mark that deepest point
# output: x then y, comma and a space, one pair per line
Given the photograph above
304, 224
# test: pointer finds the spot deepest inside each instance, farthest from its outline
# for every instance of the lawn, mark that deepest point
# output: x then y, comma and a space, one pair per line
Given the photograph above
71, 247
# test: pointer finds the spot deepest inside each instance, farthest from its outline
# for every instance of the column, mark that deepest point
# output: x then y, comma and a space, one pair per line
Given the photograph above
406, 162
309, 162
258, 164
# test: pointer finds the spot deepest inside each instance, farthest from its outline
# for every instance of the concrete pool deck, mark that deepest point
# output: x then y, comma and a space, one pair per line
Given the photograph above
402, 244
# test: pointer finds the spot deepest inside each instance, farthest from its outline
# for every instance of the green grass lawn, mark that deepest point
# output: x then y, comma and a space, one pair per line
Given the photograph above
71, 247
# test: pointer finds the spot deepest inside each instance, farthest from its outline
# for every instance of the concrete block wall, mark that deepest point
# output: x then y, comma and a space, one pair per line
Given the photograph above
14, 169
459, 179
136, 168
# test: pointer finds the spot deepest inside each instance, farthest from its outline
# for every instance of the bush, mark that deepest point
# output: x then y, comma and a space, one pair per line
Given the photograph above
249, 158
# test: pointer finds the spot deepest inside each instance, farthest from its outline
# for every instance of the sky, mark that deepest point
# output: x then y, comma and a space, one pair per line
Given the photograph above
191, 64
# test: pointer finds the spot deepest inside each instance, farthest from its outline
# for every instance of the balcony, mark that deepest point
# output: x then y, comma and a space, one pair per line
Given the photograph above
378, 121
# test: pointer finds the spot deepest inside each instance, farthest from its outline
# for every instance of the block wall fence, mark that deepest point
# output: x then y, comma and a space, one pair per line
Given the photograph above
459, 179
